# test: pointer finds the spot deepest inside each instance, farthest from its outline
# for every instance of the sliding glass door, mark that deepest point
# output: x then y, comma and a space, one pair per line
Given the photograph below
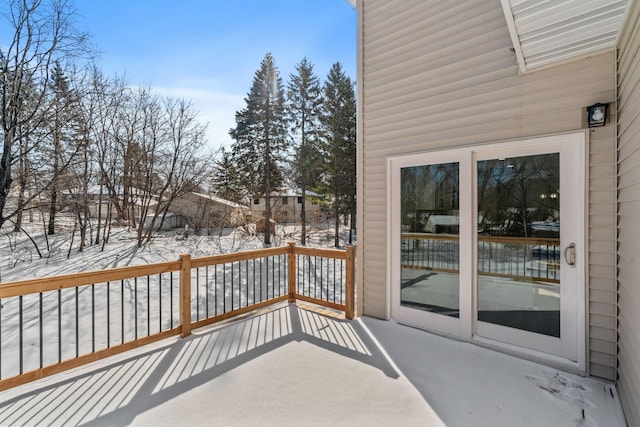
488, 243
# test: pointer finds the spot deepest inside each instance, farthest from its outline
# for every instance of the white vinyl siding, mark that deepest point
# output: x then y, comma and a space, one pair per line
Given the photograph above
438, 74
629, 215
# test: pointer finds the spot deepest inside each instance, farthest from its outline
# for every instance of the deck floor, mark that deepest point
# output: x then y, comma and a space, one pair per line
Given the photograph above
292, 366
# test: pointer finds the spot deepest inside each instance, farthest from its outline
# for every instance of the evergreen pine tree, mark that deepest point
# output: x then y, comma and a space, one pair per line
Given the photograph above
224, 179
339, 128
261, 137
63, 127
304, 100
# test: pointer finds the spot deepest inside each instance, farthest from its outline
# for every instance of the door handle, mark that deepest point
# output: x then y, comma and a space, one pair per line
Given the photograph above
570, 254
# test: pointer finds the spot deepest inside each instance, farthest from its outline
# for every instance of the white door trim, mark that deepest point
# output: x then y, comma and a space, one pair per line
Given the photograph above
572, 148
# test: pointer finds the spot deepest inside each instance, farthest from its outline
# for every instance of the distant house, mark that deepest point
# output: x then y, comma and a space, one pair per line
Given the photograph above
171, 221
442, 224
202, 211
286, 206
99, 197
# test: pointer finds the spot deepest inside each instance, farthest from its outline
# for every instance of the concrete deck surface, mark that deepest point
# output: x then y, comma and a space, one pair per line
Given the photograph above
291, 366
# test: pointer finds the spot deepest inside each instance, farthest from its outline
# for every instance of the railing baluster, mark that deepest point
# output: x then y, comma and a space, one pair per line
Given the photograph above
122, 311
41, 338
334, 280
246, 277
197, 294
171, 299
108, 316
77, 324
215, 289
93, 318
160, 298
135, 307
148, 306
206, 289
59, 325
20, 333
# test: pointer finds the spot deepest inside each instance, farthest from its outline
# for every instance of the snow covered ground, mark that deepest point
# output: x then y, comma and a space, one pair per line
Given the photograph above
19, 258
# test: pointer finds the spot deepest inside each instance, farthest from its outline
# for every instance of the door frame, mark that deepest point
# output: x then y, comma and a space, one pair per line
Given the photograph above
573, 349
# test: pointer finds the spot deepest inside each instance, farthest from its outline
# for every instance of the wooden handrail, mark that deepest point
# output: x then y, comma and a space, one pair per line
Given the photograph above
46, 284
321, 252
551, 241
238, 256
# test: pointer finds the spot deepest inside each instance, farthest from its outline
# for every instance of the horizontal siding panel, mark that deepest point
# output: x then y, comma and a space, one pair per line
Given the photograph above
604, 272
630, 209
627, 230
410, 35
603, 171
602, 264
627, 116
603, 246
604, 334
603, 346
602, 283
600, 234
603, 157
608, 197
630, 193
601, 371
627, 169
605, 297
628, 44
603, 359
600, 138
601, 208
603, 309
627, 136
607, 222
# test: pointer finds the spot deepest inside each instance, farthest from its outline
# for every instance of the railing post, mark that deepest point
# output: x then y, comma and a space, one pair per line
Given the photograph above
350, 282
291, 263
185, 295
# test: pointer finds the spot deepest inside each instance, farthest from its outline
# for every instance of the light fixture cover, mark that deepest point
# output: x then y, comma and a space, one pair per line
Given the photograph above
597, 115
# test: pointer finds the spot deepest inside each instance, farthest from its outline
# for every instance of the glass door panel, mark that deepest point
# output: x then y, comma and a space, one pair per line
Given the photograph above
518, 253
430, 227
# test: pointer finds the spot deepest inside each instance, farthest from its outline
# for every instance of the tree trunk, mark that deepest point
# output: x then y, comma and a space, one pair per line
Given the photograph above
51, 230
303, 217
267, 186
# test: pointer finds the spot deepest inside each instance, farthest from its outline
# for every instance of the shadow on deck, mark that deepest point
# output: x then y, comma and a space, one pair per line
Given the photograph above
292, 366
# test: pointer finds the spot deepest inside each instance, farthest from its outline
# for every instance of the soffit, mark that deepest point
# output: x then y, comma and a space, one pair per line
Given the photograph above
546, 32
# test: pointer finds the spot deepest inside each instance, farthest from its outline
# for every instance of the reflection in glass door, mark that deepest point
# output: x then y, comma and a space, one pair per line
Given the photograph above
477, 249
430, 223
518, 252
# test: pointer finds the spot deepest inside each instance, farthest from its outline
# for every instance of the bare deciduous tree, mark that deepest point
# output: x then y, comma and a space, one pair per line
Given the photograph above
42, 33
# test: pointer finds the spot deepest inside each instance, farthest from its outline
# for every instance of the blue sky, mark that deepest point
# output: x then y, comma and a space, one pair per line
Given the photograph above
209, 50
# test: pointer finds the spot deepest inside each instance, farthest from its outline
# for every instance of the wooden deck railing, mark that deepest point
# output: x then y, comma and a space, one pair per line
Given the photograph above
52, 324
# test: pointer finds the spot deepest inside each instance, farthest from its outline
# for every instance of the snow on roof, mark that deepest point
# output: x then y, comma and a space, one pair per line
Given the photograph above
294, 192
220, 200
444, 220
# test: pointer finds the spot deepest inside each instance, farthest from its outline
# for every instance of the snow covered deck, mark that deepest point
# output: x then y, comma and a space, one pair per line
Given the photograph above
292, 366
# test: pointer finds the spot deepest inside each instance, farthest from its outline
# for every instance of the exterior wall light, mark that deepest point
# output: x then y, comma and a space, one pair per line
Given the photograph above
597, 115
